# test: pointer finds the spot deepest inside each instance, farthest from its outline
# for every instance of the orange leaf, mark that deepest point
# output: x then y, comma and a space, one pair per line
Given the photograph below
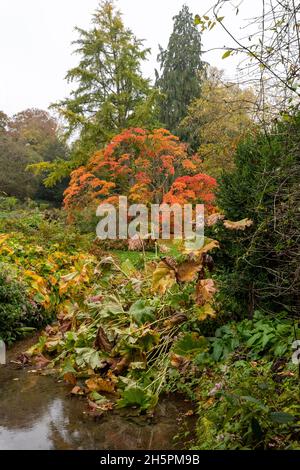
77, 390
97, 384
187, 271
70, 378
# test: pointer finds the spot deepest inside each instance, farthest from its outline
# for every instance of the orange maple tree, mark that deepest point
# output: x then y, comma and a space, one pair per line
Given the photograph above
146, 166
194, 189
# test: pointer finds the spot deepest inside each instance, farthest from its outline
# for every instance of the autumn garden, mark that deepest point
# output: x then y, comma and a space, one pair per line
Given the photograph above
124, 323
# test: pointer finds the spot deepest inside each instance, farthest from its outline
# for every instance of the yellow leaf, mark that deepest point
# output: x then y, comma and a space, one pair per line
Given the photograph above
6, 248
226, 54
3, 238
206, 311
38, 280
163, 278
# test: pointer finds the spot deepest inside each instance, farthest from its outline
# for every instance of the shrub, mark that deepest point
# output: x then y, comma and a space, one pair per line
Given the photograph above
18, 314
260, 267
249, 405
248, 389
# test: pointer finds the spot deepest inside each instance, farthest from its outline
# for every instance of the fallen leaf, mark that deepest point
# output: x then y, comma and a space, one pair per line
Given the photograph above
287, 373
179, 362
23, 358
40, 361
97, 384
70, 378
106, 405
77, 390
95, 299
66, 326
121, 366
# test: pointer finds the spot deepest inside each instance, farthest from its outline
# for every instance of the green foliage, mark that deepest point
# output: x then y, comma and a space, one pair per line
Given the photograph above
30, 137
15, 181
180, 64
248, 405
135, 396
87, 357
114, 335
8, 203
247, 389
262, 336
141, 313
189, 345
259, 268
18, 314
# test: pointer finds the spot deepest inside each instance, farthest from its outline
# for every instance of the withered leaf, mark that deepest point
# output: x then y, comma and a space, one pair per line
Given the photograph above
209, 245
205, 290
121, 366
179, 362
175, 320
70, 378
206, 311
102, 343
77, 390
97, 384
41, 361
239, 225
213, 219
187, 271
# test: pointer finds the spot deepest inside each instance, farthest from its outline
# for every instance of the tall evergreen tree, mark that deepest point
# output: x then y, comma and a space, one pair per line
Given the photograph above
181, 67
110, 93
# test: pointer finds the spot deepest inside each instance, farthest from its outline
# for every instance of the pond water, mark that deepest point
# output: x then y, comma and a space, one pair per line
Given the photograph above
37, 412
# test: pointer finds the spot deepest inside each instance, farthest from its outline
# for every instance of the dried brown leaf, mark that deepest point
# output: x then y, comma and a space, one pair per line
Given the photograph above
239, 225
205, 291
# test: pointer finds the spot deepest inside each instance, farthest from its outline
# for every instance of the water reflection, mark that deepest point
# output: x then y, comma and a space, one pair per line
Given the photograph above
36, 413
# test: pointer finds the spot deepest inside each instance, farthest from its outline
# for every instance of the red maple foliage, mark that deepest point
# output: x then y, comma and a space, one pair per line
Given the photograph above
194, 189
146, 166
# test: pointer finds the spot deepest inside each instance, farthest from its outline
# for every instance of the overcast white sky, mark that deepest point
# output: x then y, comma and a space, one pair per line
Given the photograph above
35, 42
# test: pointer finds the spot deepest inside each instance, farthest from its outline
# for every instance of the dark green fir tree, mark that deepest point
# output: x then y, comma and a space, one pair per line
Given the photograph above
181, 67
